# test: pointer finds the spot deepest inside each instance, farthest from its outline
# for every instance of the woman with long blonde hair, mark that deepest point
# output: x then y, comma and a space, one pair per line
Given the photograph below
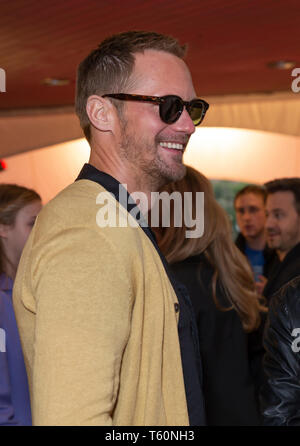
222, 289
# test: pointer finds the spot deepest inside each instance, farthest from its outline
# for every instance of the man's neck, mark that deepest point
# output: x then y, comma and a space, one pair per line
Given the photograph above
257, 243
139, 187
136, 181
283, 254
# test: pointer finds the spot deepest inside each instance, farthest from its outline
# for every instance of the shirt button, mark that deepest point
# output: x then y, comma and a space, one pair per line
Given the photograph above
176, 307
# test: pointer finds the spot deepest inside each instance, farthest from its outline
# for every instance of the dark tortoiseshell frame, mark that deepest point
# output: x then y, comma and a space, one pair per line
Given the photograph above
160, 100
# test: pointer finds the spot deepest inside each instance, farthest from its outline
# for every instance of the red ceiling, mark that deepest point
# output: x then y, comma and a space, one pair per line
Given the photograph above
230, 42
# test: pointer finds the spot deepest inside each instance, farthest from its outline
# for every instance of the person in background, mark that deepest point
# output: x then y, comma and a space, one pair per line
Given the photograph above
249, 204
221, 286
280, 393
19, 207
283, 231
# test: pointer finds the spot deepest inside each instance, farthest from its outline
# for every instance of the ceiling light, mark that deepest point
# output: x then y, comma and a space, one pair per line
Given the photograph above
55, 82
282, 64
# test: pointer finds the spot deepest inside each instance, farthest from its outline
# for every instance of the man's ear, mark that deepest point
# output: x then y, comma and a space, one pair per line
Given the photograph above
100, 112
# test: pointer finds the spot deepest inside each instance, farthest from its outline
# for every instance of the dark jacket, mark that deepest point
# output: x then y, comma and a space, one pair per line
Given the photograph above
280, 396
283, 272
255, 338
270, 255
227, 383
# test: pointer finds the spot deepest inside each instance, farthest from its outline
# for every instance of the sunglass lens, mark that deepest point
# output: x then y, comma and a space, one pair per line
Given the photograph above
170, 109
196, 112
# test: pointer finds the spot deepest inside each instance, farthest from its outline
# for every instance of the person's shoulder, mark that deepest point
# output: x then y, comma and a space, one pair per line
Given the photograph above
292, 259
195, 270
87, 210
80, 193
287, 299
240, 242
198, 261
75, 204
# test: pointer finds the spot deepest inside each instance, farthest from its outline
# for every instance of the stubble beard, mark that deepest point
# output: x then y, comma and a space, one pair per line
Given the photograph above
293, 238
287, 240
153, 171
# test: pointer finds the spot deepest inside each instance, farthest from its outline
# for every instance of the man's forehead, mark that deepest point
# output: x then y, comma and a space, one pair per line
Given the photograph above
249, 199
280, 200
155, 56
162, 70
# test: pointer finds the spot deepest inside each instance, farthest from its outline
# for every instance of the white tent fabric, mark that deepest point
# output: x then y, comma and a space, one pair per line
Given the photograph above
243, 155
47, 170
279, 113
29, 130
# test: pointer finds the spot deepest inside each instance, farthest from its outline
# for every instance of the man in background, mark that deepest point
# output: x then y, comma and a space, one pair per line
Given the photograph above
281, 390
249, 204
283, 231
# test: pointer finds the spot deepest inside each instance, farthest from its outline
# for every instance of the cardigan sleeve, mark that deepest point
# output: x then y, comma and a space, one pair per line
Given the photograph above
83, 305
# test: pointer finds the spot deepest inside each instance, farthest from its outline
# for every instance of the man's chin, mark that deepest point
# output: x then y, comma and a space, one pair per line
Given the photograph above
163, 174
176, 174
250, 235
272, 244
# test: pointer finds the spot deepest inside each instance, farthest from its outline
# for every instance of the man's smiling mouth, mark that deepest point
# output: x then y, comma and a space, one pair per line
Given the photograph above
171, 145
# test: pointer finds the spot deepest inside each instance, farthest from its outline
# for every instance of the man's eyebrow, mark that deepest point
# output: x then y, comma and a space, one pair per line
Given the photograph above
276, 210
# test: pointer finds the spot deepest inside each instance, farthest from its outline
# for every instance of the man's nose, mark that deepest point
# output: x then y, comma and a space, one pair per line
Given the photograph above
269, 223
184, 124
246, 215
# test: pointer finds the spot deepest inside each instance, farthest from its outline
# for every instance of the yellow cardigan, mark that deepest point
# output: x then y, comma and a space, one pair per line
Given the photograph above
96, 316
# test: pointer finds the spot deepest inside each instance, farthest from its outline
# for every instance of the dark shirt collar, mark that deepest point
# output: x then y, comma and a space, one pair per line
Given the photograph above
89, 172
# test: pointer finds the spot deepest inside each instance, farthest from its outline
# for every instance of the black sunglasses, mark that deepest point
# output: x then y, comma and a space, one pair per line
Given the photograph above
170, 107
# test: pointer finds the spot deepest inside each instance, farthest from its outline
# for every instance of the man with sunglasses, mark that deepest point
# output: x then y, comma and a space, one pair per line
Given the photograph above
109, 336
